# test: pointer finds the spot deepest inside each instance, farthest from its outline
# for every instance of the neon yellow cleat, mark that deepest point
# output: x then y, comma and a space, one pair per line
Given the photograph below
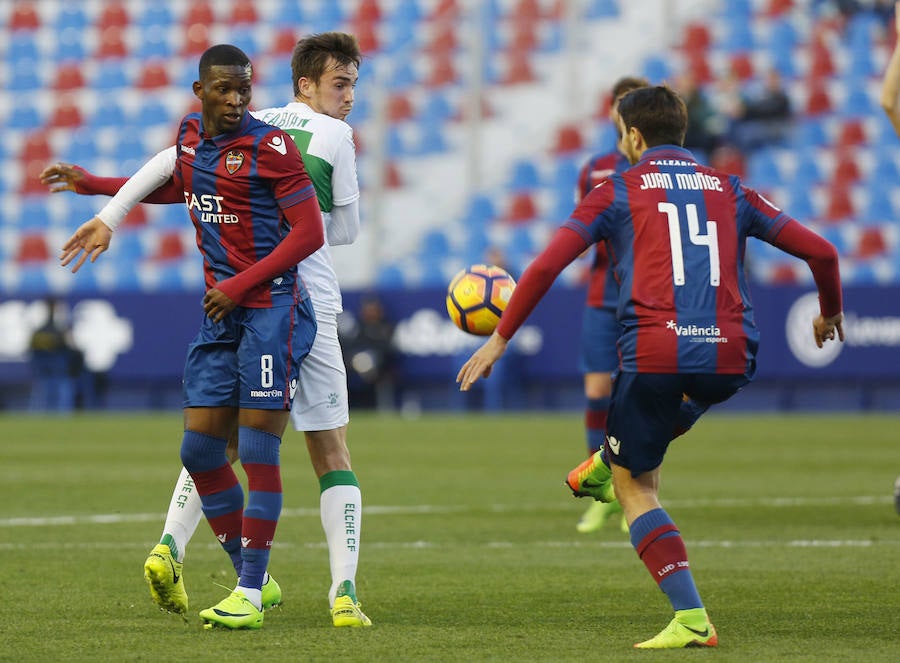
347, 610
592, 478
271, 594
234, 612
597, 515
676, 636
164, 575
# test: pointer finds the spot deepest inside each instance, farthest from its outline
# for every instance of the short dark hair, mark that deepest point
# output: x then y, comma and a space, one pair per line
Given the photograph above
311, 55
222, 55
626, 84
657, 112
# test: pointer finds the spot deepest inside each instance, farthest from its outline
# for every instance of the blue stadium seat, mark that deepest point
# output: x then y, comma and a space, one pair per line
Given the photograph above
159, 14
763, 169
656, 68
26, 77
109, 113
82, 148
22, 46
69, 46
152, 112
602, 9
110, 75
25, 115
858, 102
480, 212
809, 132
71, 15
431, 137
408, 11
524, 176
154, 43
390, 276
437, 107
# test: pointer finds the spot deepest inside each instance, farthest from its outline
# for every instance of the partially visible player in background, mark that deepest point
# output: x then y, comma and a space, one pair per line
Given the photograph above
256, 216
676, 232
890, 102
325, 69
600, 328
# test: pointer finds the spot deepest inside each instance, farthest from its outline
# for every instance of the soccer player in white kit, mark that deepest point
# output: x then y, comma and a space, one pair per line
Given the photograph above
324, 71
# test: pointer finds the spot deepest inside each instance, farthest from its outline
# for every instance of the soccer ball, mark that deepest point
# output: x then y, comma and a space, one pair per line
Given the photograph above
477, 296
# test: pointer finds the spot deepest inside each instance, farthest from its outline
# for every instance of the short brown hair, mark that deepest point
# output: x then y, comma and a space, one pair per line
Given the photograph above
312, 53
657, 112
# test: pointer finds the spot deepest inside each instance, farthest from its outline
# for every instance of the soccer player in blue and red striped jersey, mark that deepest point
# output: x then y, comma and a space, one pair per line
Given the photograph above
256, 216
600, 328
676, 232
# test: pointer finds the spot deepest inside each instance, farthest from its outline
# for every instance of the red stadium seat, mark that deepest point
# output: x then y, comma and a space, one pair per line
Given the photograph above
568, 139
392, 177
35, 146
871, 243
284, 42
32, 248
818, 102
846, 169
112, 44
521, 208
153, 75
778, 7
199, 12
700, 68
851, 133
730, 160
367, 37
529, 10
170, 247
196, 39
445, 9
821, 63
839, 206
24, 17
697, 38
783, 274
518, 68
742, 66
66, 115
443, 71
367, 12
524, 37
443, 40
399, 108
113, 15
68, 77
243, 13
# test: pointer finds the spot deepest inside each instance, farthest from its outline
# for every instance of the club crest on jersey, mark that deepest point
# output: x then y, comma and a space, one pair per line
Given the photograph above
233, 161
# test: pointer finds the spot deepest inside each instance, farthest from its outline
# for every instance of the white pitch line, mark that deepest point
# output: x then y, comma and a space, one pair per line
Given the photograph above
431, 509
489, 545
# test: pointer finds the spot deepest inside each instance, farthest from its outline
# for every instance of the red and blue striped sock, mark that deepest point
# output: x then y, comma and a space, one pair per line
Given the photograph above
220, 491
260, 458
595, 423
659, 545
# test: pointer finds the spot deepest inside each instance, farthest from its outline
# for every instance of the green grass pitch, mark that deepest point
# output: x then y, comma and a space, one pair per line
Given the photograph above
469, 548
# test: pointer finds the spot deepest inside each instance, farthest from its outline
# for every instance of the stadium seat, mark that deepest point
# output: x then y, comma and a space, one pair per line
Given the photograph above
113, 14
110, 75
399, 108
66, 114
568, 140
196, 40
82, 148
153, 75
821, 63
871, 243
367, 11
71, 15
112, 44
243, 13
329, 17
818, 101
26, 115
741, 66
857, 102
154, 43
156, 15
109, 113
33, 215
24, 17
696, 37
367, 38
199, 12
443, 40
518, 69
846, 169
524, 177
520, 208
443, 72
69, 45
169, 247
852, 133
35, 146
26, 77
839, 203
68, 76
879, 205
32, 248
597, 9
431, 138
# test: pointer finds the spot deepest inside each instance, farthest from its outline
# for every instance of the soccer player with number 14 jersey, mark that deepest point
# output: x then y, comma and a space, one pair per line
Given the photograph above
676, 232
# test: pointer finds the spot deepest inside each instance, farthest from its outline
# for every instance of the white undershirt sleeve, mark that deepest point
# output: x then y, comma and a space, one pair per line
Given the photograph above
150, 177
343, 227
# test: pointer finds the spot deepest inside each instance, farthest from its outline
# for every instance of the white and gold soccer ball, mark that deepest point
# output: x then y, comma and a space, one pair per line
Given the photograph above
477, 296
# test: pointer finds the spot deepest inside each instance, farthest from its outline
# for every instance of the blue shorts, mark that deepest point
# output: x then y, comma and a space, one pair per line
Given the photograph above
645, 411
249, 360
599, 333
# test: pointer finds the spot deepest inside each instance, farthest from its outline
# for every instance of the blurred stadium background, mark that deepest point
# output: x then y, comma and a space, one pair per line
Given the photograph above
472, 118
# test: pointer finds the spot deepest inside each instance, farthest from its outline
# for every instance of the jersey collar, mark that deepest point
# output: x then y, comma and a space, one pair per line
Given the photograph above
667, 152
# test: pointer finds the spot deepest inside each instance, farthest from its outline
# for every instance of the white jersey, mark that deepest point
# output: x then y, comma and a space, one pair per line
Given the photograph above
329, 155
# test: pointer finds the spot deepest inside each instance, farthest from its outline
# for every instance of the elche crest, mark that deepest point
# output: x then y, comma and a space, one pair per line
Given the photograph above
477, 297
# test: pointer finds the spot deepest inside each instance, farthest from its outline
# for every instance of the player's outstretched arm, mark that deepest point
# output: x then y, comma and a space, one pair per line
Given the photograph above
91, 239
479, 365
890, 87
824, 329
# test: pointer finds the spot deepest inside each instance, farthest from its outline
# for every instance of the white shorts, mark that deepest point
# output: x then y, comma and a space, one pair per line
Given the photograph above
321, 399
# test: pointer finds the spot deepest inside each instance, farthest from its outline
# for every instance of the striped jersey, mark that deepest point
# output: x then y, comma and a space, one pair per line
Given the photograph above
676, 232
602, 289
329, 155
235, 186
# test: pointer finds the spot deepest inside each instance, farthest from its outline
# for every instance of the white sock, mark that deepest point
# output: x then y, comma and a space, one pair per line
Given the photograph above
253, 595
341, 511
185, 511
